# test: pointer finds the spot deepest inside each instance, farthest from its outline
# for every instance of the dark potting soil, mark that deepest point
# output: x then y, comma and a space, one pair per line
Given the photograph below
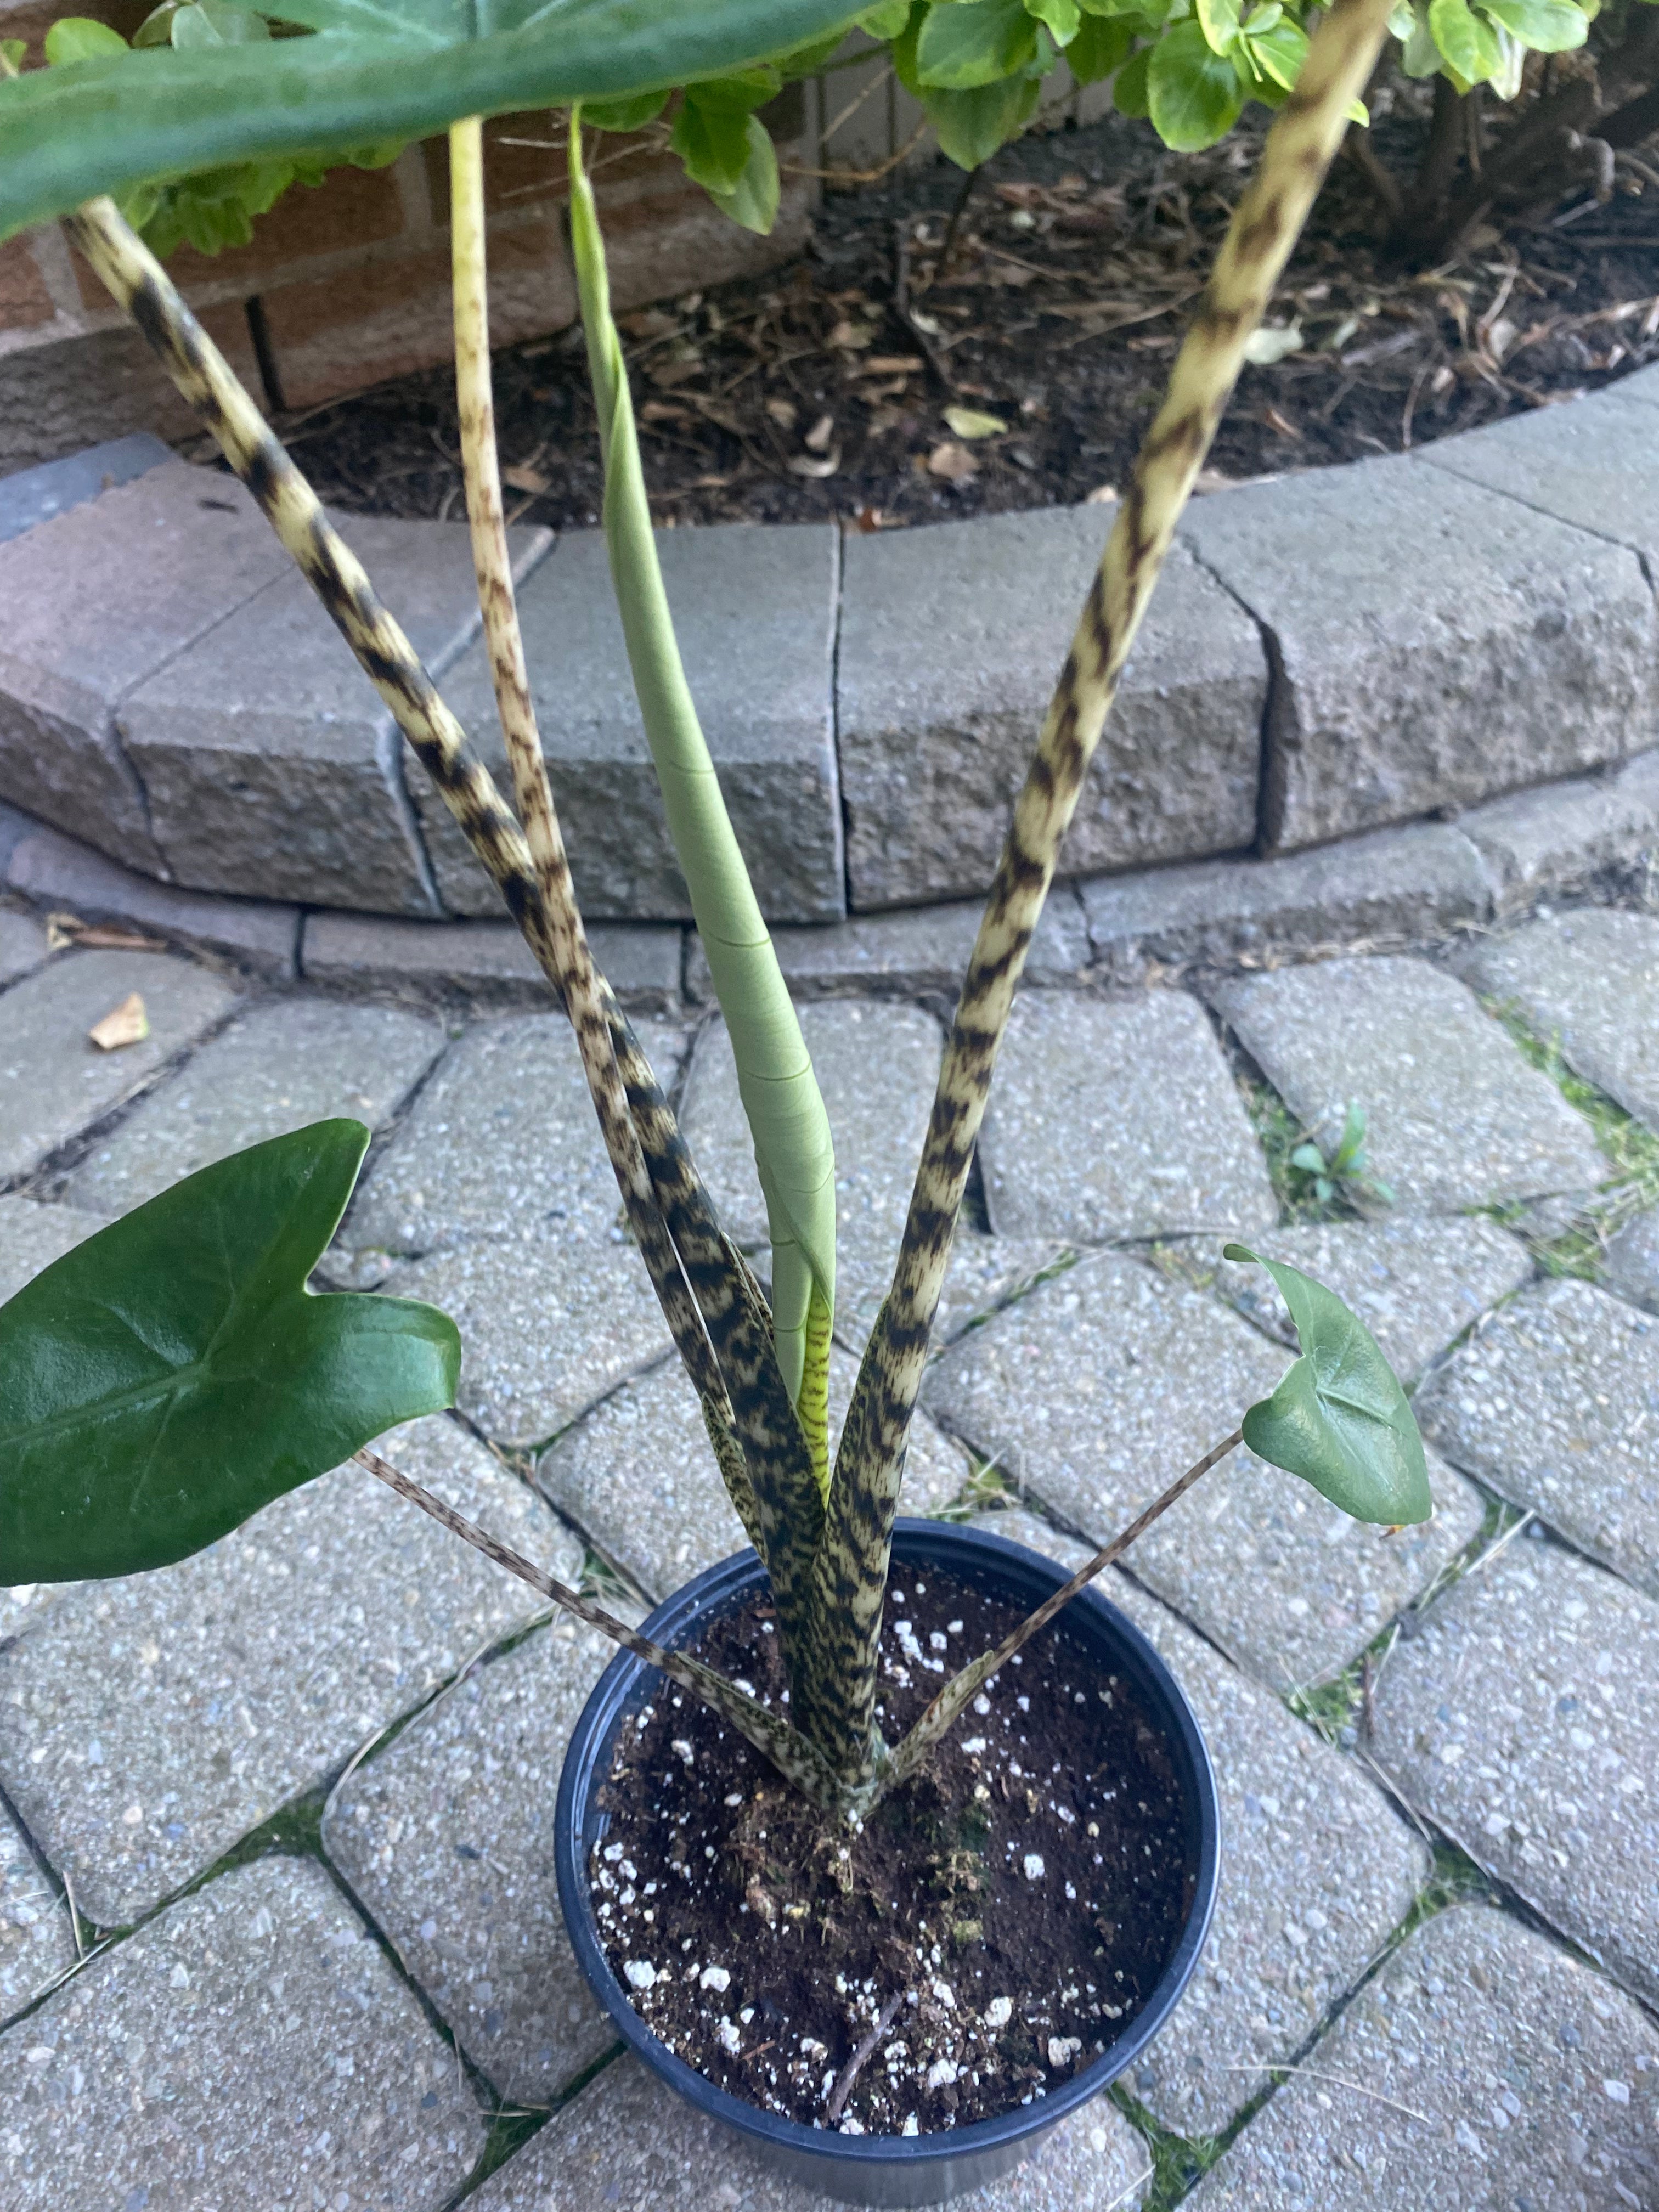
1001, 1919
821, 390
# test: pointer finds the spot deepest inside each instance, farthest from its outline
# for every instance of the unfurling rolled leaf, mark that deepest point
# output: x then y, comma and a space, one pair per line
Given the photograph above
172, 1374
1339, 1418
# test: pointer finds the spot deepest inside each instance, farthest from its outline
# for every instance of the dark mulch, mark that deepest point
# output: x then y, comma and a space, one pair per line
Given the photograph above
822, 390
1000, 1921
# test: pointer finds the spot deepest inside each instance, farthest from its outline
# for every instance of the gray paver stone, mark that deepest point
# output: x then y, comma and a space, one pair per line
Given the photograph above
31, 1238
1416, 1285
987, 1272
447, 1838
145, 1724
31, 495
1316, 1870
924, 949
1411, 883
251, 2048
54, 1081
1595, 467
484, 963
876, 1066
745, 600
638, 1475
1510, 647
939, 710
62, 874
283, 1065
1519, 1719
1633, 1261
1642, 386
1590, 979
37, 1942
22, 945
1097, 1388
628, 2145
1482, 2069
1454, 1117
1552, 1403
1563, 834
502, 1141
270, 764
175, 551
1119, 1119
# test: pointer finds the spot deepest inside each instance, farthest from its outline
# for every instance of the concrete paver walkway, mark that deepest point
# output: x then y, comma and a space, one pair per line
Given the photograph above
301, 1787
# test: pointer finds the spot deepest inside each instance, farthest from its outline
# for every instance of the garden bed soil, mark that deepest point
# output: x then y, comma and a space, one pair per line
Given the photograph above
1000, 1922
829, 388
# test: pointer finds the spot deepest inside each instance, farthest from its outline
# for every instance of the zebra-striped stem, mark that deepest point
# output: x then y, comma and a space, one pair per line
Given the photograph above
137, 282
585, 996
773, 1737
852, 1567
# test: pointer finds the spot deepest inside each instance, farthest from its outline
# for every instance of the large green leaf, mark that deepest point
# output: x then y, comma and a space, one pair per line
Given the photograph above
378, 70
972, 43
172, 1374
1339, 1418
1548, 27
1193, 94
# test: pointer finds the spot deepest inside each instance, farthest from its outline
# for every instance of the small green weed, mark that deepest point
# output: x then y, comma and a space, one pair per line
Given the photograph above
1311, 1183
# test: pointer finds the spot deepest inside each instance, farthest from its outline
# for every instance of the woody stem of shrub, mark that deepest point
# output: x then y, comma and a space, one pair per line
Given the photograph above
1297, 152
136, 281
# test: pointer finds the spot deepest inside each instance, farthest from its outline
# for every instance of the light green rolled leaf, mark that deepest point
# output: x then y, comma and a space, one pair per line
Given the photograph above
753, 201
1339, 1418
1060, 17
794, 1153
386, 70
172, 1374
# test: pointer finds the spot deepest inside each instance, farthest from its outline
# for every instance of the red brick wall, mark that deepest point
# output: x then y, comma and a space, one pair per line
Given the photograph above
351, 281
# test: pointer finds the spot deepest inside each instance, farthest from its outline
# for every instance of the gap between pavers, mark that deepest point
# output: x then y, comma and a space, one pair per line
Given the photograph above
148, 1723
276, 1069
1518, 1717
24, 947
37, 1937
54, 1081
1455, 1116
250, 2047
638, 1476
1552, 1402
1098, 1387
1482, 2066
1316, 1871
627, 2144
1590, 981
447, 1837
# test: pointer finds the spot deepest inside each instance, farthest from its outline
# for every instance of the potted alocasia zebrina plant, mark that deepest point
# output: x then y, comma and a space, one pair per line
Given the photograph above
885, 1842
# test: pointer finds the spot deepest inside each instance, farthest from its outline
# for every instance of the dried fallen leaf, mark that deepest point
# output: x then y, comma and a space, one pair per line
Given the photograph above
867, 519
783, 413
852, 337
969, 422
952, 462
127, 1023
520, 477
891, 364
1102, 496
816, 440
809, 465
1272, 342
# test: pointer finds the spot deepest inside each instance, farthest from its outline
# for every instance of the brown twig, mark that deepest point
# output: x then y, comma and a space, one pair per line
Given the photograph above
849, 2073
903, 310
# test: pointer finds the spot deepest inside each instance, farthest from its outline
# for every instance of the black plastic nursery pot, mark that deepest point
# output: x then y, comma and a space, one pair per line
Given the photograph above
875, 2169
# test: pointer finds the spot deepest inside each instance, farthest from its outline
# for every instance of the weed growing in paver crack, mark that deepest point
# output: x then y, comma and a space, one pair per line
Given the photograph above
1344, 1167
174, 1373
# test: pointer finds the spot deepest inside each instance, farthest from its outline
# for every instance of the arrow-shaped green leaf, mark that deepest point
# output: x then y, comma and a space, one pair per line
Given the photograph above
172, 1374
1339, 1418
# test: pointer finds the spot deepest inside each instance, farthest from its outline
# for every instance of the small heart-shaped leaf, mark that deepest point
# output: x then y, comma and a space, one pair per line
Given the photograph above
1339, 1418
172, 1374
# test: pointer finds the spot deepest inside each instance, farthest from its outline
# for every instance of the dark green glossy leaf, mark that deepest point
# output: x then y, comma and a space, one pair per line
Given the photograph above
713, 144
172, 1374
624, 114
1129, 85
383, 70
1193, 95
1339, 1418
1099, 50
971, 126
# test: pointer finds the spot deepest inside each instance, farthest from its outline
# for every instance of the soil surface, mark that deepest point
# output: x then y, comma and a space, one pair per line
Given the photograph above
989, 1932
878, 380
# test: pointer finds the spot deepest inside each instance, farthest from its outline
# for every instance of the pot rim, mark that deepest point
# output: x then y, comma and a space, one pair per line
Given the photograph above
935, 1543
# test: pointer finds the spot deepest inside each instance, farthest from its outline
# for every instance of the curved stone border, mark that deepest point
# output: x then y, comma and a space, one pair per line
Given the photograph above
1331, 655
